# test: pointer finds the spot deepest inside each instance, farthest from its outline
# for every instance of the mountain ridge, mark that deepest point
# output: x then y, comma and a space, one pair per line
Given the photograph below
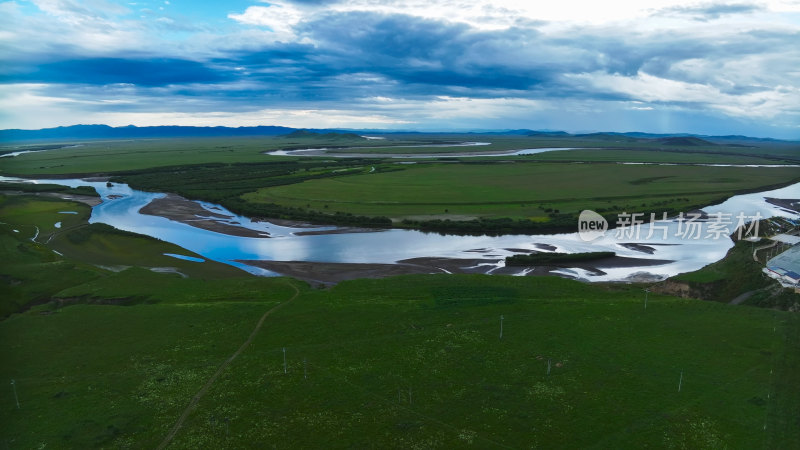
100, 131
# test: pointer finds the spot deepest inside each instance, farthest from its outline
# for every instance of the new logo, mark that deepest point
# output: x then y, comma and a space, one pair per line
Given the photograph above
591, 226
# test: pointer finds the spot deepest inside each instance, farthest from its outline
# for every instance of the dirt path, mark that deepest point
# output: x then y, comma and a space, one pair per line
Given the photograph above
763, 247
740, 299
196, 399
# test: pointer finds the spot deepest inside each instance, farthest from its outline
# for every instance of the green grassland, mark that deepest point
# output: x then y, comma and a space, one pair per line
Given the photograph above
411, 362
521, 190
92, 157
653, 156
111, 156
622, 148
32, 270
104, 359
106, 353
538, 193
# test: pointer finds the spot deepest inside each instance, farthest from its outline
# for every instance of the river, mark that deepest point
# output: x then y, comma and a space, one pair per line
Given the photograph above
121, 204
323, 151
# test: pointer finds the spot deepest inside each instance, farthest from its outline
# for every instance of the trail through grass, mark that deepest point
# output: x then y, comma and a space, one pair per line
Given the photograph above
193, 404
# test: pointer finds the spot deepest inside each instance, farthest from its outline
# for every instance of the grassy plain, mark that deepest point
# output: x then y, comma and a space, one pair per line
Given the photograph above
124, 155
410, 362
32, 270
602, 148
521, 190
652, 156
235, 173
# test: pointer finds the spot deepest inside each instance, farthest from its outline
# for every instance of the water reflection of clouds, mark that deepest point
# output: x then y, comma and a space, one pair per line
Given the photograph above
282, 249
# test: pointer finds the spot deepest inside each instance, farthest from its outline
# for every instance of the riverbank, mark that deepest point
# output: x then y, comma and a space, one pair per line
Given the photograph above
174, 207
192, 213
788, 204
85, 199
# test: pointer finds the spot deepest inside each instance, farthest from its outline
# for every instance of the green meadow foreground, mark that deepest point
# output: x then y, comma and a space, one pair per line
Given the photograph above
112, 358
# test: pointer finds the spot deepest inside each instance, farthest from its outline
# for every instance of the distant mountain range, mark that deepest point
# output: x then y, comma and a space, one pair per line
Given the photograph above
134, 132
329, 136
78, 132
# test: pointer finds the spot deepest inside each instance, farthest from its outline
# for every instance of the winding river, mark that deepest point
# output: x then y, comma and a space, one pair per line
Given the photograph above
121, 206
353, 152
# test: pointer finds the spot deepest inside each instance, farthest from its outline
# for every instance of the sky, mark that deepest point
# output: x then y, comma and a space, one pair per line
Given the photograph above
660, 66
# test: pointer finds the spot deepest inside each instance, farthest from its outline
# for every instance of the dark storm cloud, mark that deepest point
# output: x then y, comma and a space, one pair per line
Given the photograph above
342, 58
662, 53
363, 54
392, 35
143, 72
423, 52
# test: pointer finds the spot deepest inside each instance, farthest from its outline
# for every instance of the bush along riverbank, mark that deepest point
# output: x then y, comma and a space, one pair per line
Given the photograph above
274, 211
30, 188
556, 259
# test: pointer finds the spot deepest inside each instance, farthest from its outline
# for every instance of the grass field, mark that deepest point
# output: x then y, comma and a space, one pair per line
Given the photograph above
90, 157
520, 190
234, 172
651, 156
32, 271
106, 359
106, 353
111, 156
412, 362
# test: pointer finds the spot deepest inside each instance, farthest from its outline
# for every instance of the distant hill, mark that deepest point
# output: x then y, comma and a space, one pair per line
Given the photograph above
134, 132
86, 132
332, 136
547, 133
685, 141
611, 137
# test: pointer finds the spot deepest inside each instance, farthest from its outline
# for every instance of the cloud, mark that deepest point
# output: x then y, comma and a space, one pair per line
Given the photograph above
710, 11
144, 72
278, 18
417, 61
433, 57
645, 88
26, 105
310, 2
72, 11
64, 28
